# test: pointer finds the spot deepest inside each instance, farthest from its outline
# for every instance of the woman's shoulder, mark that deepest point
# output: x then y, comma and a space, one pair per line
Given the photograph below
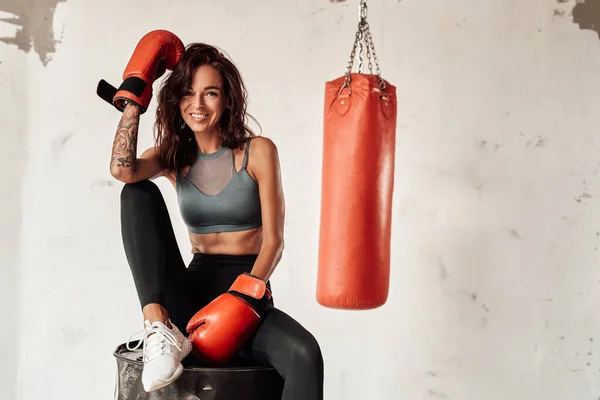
261, 146
263, 158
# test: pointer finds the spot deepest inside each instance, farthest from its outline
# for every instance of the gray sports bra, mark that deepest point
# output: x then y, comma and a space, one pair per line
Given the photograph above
214, 197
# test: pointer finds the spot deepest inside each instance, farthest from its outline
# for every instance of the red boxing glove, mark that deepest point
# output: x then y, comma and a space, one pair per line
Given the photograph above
220, 329
156, 52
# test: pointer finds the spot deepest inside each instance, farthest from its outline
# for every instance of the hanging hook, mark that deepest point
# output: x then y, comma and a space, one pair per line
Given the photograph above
362, 12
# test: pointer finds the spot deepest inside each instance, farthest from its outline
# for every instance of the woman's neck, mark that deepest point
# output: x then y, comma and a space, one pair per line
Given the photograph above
208, 142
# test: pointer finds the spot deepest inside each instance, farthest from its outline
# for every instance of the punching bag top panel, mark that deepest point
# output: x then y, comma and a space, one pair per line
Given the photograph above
341, 93
347, 84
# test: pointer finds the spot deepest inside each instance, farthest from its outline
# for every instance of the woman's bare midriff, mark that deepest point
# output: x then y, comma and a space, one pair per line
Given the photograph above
234, 243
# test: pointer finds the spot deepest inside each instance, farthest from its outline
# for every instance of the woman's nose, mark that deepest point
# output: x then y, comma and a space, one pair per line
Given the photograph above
200, 100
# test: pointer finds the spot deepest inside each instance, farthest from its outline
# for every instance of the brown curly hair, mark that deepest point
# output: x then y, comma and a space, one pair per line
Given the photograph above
174, 139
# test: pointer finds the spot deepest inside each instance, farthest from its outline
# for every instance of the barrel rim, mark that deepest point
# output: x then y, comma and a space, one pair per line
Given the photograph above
117, 353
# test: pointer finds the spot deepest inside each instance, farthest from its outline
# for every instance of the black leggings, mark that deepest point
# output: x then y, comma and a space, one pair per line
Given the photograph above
160, 276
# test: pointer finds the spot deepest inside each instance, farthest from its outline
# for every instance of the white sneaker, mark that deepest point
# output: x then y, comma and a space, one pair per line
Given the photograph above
164, 349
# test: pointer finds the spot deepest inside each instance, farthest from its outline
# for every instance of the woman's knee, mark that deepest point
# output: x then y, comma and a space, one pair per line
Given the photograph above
139, 191
307, 352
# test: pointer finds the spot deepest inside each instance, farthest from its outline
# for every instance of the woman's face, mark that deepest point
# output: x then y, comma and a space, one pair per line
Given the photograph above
202, 105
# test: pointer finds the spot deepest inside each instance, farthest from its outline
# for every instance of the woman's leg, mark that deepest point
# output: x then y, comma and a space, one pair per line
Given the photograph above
279, 341
158, 270
286, 345
211, 275
159, 274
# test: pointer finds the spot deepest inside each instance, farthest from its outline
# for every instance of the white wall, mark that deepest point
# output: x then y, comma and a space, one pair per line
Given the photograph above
494, 285
14, 156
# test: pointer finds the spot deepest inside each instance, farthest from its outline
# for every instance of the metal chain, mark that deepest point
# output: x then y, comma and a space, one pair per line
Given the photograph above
361, 52
378, 71
367, 45
364, 41
351, 60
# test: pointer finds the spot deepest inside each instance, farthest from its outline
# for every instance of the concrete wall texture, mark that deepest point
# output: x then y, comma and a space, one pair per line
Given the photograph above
495, 275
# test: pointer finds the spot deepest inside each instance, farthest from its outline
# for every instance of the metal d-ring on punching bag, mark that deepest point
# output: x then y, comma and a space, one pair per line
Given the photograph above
359, 140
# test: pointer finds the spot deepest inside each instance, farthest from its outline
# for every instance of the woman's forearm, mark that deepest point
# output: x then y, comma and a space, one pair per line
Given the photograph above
124, 152
267, 260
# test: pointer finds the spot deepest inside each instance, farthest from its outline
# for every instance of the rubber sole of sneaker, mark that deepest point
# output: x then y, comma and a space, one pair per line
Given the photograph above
172, 379
176, 374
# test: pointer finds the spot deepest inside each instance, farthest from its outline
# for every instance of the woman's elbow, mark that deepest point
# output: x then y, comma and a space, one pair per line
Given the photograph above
121, 175
275, 243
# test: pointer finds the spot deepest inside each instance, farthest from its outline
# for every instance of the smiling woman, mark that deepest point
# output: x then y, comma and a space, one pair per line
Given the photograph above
230, 196
202, 103
205, 83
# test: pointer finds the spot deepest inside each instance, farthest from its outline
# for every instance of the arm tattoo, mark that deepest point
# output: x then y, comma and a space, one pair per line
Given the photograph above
124, 152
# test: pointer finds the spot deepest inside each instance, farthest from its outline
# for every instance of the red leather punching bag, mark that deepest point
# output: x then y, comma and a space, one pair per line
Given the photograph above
357, 186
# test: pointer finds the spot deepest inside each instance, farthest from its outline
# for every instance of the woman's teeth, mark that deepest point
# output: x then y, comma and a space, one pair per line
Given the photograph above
199, 116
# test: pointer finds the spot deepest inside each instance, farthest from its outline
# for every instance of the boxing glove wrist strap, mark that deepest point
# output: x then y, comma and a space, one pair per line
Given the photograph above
134, 85
252, 290
258, 305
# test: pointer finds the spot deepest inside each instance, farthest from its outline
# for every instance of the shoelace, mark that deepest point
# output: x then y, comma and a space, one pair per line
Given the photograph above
157, 347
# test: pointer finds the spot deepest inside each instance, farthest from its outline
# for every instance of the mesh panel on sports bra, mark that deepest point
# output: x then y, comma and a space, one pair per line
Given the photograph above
211, 173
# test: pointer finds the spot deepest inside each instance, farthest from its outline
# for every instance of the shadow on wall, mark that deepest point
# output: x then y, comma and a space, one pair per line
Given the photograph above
34, 22
586, 14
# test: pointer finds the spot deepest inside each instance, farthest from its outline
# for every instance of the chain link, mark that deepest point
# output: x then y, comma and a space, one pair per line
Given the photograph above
363, 40
361, 52
368, 46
